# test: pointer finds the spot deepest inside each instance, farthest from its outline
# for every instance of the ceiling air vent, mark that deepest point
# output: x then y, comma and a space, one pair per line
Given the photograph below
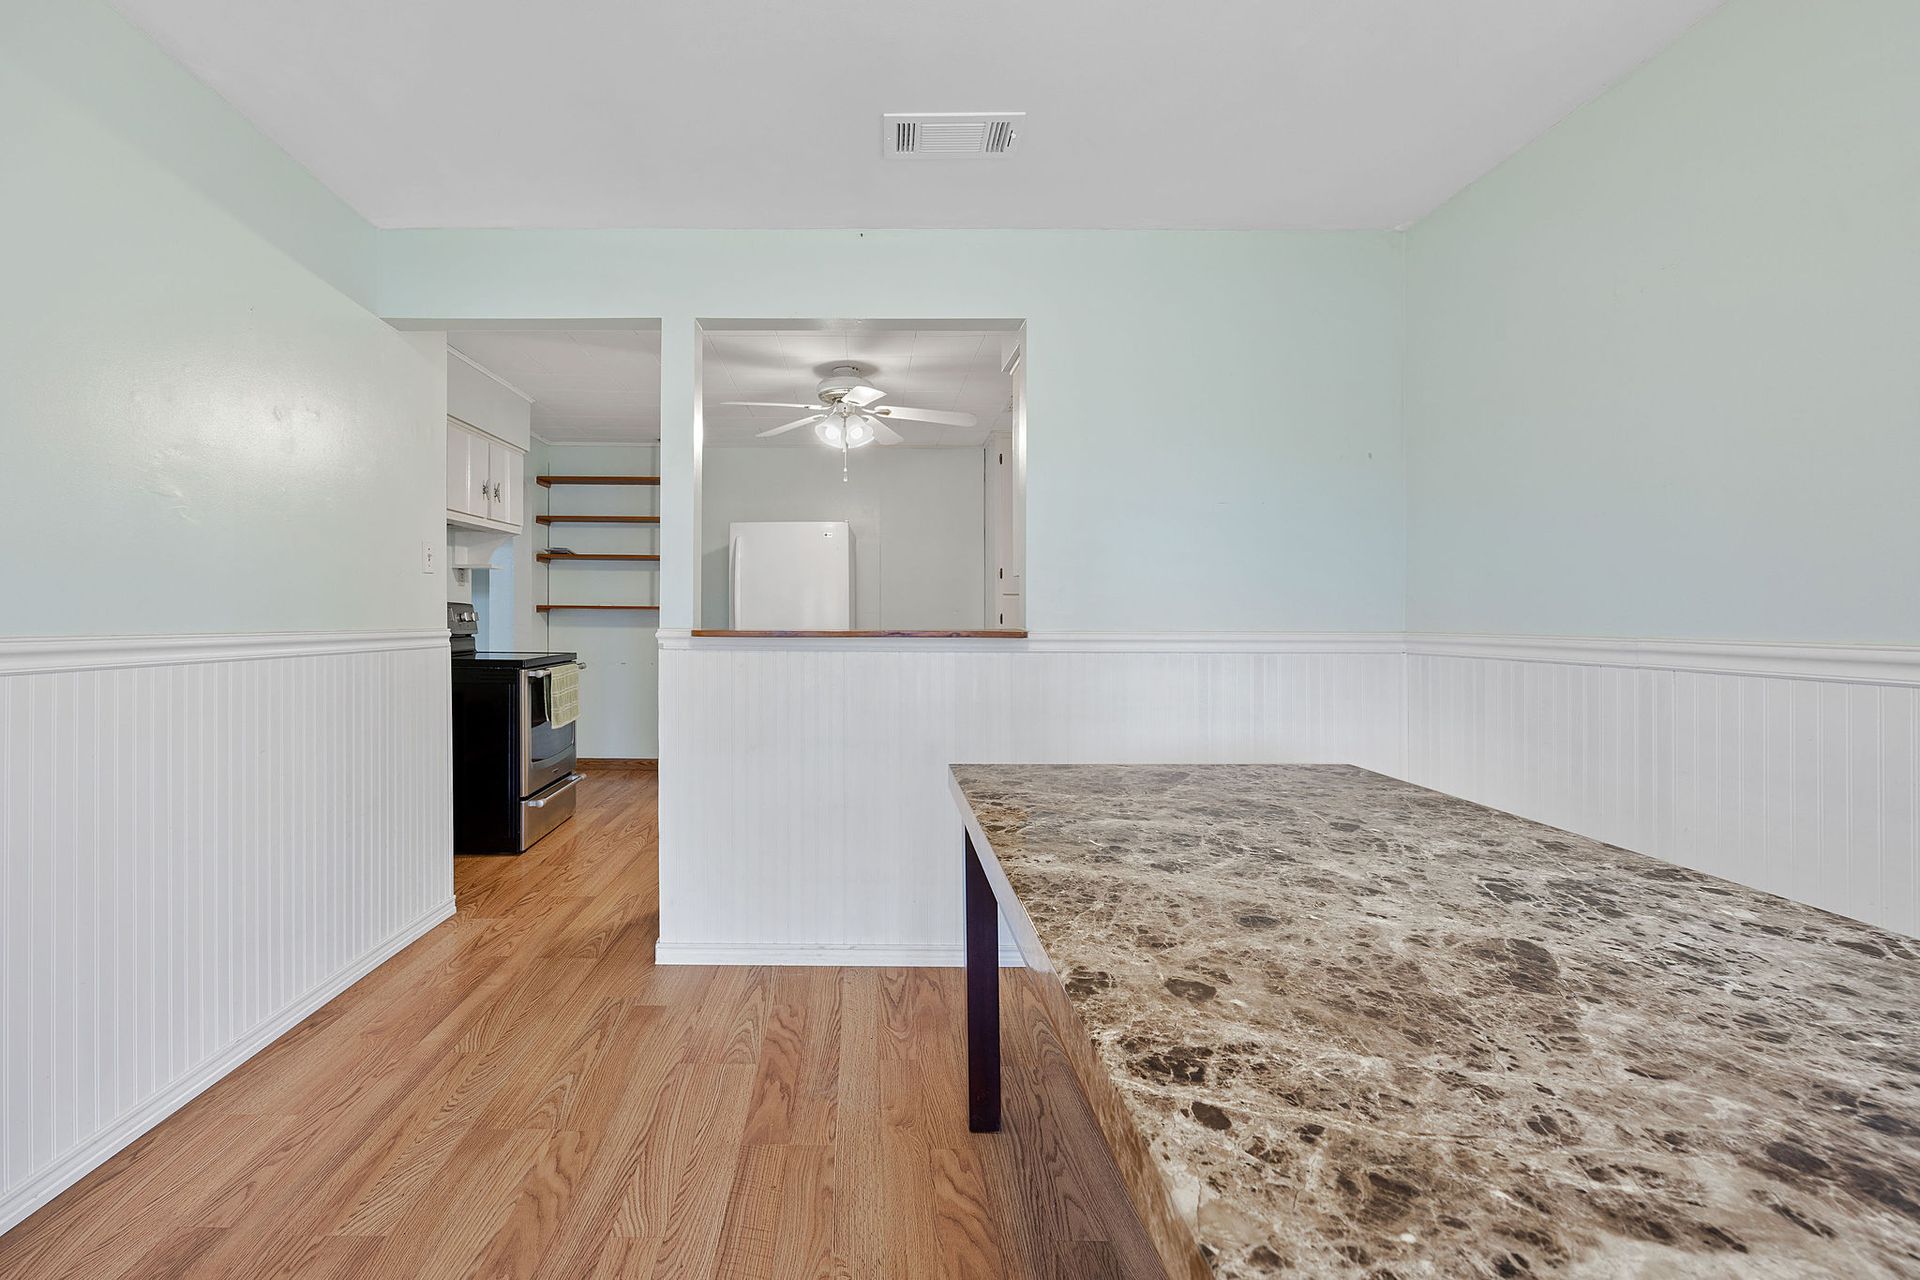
950, 135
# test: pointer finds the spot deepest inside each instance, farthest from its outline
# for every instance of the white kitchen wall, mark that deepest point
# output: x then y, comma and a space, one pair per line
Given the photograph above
619, 690
916, 515
224, 786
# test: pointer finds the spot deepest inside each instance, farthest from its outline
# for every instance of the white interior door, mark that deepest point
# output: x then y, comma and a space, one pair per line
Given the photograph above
1003, 584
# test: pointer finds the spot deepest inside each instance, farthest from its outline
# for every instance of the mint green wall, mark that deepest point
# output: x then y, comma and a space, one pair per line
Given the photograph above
1215, 440
1661, 371
1663, 374
88, 78
203, 432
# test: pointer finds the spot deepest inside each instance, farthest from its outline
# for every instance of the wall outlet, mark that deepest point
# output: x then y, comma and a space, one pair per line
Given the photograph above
429, 557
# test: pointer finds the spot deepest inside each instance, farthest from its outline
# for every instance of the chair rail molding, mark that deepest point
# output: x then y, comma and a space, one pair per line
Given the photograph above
30, 655
1392, 642
1866, 663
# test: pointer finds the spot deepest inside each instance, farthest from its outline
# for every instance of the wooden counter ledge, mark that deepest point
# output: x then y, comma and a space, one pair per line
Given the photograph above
865, 635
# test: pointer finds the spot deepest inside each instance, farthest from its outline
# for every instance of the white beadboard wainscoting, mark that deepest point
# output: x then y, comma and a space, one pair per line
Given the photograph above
805, 815
1793, 769
202, 840
805, 819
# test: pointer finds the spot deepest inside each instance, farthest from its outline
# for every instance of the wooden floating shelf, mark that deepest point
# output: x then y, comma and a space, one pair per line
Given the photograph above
592, 555
648, 559
596, 519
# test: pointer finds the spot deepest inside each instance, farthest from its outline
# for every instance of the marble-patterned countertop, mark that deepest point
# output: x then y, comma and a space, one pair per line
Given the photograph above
1368, 1030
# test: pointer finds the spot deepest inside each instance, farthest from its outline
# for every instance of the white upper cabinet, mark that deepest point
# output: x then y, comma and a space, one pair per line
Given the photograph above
484, 477
457, 459
465, 482
505, 469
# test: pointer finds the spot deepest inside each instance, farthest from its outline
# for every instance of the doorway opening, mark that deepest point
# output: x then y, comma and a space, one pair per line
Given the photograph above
560, 552
862, 476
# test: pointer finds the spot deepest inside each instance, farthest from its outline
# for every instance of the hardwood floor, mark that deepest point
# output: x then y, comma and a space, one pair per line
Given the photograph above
523, 1093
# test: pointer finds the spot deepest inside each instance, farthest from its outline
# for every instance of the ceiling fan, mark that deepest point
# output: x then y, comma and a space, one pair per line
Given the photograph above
845, 417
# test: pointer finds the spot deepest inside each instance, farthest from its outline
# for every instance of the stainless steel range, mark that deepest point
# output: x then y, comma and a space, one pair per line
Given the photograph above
513, 774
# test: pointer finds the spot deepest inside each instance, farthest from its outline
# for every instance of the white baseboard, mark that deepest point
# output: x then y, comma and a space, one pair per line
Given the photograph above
856, 955
104, 1145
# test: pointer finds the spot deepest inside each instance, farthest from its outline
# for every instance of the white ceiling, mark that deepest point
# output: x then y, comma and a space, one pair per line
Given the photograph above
953, 370
589, 386
765, 113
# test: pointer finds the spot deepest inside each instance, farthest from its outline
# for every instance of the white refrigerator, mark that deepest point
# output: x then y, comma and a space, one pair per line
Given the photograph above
791, 575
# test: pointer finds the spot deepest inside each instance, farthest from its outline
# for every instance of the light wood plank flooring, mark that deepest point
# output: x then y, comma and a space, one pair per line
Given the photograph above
522, 1093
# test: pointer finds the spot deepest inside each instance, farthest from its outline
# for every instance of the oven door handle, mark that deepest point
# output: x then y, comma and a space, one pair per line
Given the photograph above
559, 789
543, 690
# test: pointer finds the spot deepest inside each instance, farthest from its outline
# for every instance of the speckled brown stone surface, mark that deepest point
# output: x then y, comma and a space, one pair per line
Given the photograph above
1368, 1030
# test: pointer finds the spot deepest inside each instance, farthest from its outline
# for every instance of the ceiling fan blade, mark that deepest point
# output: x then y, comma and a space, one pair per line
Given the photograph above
862, 396
771, 404
940, 416
788, 426
882, 433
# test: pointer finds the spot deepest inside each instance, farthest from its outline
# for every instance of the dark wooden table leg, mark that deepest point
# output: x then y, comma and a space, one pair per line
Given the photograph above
983, 999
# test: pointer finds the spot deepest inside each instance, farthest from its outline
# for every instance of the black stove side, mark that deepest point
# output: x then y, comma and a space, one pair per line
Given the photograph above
486, 755
486, 748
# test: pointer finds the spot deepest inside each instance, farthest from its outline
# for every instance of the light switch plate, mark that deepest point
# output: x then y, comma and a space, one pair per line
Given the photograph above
428, 556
